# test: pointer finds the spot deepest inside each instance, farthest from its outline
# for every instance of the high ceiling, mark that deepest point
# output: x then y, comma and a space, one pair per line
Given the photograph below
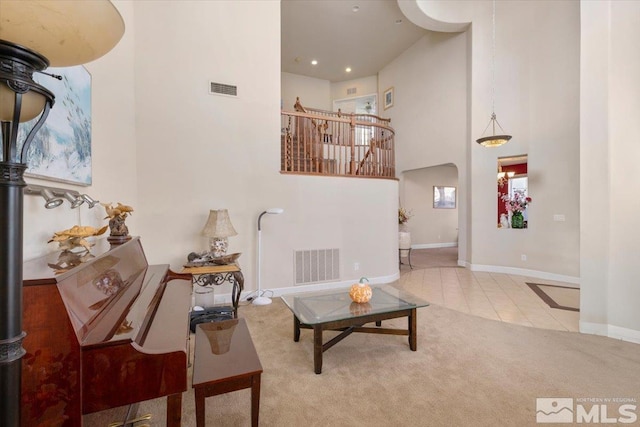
364, 35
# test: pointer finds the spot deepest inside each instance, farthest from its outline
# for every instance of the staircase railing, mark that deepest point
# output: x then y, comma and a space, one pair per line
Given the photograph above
334, 143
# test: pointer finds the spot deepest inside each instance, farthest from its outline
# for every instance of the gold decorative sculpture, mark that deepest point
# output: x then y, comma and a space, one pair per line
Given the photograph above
75, 237
117, 215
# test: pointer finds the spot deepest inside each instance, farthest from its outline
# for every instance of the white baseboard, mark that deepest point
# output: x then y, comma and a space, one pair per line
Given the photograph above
333, 285
434, 245
611, 331
326, 286
522, 272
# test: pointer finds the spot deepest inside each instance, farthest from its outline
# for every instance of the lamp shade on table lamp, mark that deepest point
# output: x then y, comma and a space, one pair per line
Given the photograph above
218, 228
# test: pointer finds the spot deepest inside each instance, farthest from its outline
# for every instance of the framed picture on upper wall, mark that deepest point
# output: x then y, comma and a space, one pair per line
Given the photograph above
61, 150
388, 98
444, 197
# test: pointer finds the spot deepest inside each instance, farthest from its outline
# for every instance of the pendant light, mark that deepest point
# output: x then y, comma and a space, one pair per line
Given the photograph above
500, 139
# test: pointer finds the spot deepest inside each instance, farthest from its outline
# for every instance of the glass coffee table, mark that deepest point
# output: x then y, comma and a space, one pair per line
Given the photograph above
335, 311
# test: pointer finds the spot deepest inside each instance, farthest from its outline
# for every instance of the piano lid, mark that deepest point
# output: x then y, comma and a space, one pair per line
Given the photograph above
101, 294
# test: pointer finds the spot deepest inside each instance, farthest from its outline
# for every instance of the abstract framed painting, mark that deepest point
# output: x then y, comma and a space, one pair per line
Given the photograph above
61, 150
388, 98
444, 197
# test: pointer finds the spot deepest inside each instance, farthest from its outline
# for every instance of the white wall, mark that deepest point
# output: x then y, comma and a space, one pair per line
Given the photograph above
625, 152
609, 132
536, 101
429, 115
542, 63
430, 227
165, 146
537, 69
363, 86
198, 152
314, 93
113, 150
320, 94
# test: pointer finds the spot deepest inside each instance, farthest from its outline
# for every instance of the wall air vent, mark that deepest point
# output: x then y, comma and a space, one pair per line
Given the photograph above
316, 265
352, 91
223, 89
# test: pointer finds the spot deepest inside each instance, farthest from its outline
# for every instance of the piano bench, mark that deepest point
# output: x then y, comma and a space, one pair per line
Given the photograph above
225, 360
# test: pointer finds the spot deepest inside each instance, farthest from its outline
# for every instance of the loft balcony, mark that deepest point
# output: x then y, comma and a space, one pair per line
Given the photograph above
319, 142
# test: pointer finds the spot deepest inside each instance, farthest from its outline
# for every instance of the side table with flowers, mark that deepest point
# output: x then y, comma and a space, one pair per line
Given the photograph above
404, 237
403, 217
516, 205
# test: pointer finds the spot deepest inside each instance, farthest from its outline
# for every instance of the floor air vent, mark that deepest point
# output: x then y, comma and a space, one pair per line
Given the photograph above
222, 89
316, 265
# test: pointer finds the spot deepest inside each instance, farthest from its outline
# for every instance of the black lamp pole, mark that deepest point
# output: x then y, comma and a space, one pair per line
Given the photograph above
17, 65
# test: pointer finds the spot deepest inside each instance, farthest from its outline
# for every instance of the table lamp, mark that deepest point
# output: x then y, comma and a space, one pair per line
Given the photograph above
217, 229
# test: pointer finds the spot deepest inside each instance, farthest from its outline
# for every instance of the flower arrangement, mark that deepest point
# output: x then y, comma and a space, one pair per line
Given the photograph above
516, 204
403, 215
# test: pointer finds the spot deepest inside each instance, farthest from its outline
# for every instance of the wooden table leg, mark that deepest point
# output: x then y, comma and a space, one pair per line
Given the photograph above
174, 410
413, 334
296, 329
199, 392
255, 399
317, 348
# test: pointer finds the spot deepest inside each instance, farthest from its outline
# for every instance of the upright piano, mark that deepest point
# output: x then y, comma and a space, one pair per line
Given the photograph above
104, 329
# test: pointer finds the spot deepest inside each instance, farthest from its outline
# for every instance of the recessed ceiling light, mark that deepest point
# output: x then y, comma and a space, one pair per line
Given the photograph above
314, 62
348, 70
356, 8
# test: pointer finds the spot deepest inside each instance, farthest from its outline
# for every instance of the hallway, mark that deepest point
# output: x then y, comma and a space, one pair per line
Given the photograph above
503, 297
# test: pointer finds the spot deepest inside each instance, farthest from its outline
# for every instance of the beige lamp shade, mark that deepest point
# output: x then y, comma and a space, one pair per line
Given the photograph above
219, 224
66, 32
32, 104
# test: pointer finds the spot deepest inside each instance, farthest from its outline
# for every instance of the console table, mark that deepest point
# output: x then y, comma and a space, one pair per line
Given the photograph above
211, 275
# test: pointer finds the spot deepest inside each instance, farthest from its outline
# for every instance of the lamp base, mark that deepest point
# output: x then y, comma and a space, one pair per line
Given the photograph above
261, 301
218, 246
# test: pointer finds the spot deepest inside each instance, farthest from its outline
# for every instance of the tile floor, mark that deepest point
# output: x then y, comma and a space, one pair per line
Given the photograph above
503, 297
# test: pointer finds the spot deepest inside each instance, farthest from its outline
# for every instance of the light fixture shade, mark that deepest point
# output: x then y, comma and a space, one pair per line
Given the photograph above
75, 200
218, 224
51, 200
32, 104
16, 77
493, 140
66, 32
90, 201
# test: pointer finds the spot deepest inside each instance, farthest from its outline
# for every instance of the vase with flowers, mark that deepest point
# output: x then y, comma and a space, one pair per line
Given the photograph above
516, 205
403, 217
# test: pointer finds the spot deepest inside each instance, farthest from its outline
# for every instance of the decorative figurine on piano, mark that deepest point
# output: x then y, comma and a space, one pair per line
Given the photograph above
117, 215
76, 236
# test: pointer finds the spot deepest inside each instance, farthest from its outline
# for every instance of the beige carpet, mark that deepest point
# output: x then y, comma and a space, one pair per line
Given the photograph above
468, 371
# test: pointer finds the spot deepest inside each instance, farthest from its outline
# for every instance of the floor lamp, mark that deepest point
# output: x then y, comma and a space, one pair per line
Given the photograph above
260, 299
33, 35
